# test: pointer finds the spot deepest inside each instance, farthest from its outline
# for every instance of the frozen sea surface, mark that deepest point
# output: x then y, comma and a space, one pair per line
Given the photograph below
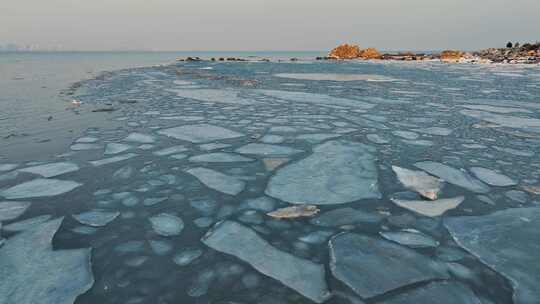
423, 180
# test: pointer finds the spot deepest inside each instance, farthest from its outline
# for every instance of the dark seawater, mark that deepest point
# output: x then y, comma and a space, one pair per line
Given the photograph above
387, 114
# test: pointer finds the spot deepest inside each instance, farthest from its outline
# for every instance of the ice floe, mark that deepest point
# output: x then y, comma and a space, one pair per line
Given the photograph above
372, 267
453, 176
27, 223
316, 98
170, 150
506, 241
337, 172
200, 133
96, 218
267, 150
410, 238
52, 170
418, 181
10, 210
39, 188
218, 181
346, 216
491, 177
215, 95
32, 272
219, 157
166, 224
140, 138
443, 292
304, 276
430, 208
111, 160
115, 148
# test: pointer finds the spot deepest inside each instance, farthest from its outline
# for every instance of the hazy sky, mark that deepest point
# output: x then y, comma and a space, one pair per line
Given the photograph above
268, 24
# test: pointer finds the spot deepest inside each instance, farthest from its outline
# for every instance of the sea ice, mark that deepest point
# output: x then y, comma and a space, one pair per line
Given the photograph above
337, 172
443, 292
200, 133
215, 95
453, 176
83, 147
418, 181
316, 99
346, 216
410, 238
187, 256
40, 187
32, 272
7, 167
506, 241
27, 223
317, 138
96, 218
140, 138
266, 150
430, 208
219, 157
170, 150
166, 224
434, 131
114, 159
51, 170
115, 148
491, 177
272, 139
218, 181
10, 210
304, 276
372, 267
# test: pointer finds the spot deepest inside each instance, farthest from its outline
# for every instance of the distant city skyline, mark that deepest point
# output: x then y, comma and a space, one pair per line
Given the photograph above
263, 25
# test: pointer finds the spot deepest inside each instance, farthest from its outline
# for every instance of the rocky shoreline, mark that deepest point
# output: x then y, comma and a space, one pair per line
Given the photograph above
512, 54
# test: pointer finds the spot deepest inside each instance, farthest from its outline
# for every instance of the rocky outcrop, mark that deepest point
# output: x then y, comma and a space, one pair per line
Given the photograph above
345, 51
451, 55
349, 51
370, 53
527, 53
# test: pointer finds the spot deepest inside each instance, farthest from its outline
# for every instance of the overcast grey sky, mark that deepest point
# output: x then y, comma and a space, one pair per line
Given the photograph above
268, 24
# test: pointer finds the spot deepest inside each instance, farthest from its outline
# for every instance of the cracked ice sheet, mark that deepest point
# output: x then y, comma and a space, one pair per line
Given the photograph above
337, 172
200, 133
214, 95
316, 98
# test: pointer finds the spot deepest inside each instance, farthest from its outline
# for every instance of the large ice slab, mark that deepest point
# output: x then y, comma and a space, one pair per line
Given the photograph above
491, 177
267, 150
53, 169
444, 292
40, 187
316, 99
453, 176
337, 172
508, 242
32, 272
218, 181
304, 276
115, 148
504, 120
372, 267
200, 133
10, 210
140, 138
